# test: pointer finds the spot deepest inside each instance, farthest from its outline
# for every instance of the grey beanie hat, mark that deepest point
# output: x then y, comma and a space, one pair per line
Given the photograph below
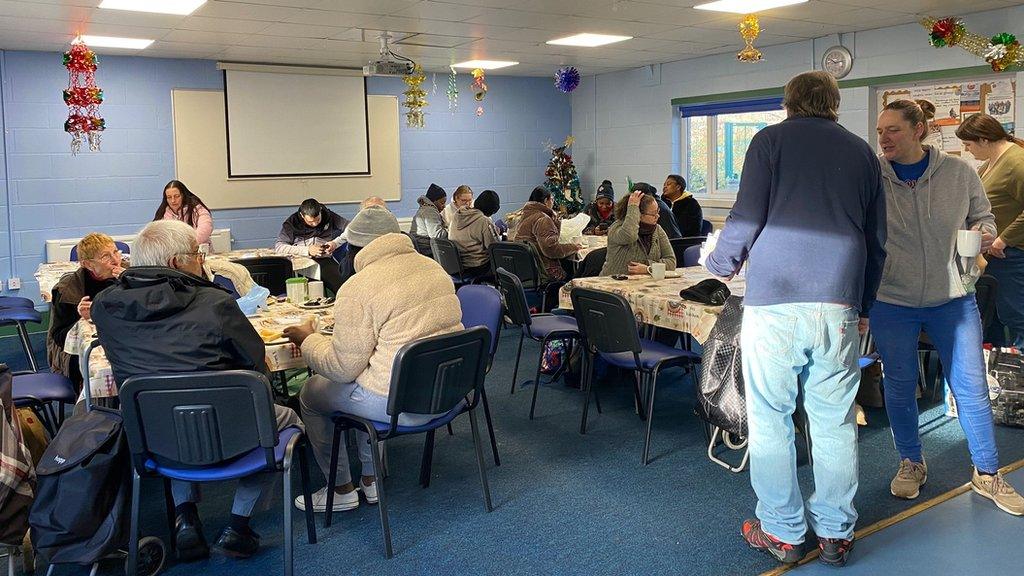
369, 224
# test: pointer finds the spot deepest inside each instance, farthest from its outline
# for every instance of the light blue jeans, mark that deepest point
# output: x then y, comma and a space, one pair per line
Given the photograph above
786, 348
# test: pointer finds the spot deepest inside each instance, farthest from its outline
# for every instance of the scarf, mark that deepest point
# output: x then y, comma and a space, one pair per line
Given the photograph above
646, 236
605, 214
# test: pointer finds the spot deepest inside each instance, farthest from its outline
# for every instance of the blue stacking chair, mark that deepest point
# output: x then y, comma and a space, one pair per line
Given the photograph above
446, 253
17, 316
519, 259
438, 375
16, 302
209, 427
541, 328
691, 256
608, 327
481, 306
706, 228
124, 248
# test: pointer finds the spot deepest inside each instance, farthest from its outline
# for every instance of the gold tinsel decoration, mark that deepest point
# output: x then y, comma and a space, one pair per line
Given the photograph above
415, 98
750, 28
1000, 55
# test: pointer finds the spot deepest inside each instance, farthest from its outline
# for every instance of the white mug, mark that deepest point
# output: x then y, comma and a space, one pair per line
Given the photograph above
968, 243
315, 289
657, 270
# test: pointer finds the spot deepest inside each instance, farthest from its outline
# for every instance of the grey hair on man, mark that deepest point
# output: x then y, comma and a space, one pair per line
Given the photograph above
812, 95
160, 242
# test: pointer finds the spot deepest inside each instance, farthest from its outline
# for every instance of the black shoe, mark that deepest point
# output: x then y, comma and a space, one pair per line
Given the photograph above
189, 542
237, 544
834, 551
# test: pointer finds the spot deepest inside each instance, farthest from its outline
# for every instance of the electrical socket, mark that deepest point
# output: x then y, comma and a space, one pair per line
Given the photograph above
14, 284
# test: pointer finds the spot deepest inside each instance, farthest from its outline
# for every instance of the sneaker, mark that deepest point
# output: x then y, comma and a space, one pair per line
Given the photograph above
909, 479
237, 544
758, 539
834, 551
342, 502
998, 490
370, 492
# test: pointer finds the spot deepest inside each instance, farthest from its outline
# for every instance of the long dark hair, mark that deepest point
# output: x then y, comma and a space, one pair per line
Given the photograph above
189, 201
540, 194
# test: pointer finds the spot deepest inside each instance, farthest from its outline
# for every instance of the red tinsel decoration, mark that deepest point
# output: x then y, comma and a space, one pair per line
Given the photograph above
83, 98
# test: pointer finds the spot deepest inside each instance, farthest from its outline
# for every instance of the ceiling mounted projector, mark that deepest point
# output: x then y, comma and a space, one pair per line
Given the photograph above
390, 63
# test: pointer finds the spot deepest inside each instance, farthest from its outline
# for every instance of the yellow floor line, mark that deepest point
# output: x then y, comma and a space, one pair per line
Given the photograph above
887, 522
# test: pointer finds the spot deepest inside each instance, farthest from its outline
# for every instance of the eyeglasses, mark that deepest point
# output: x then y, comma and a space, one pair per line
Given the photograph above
650, 214
109, 258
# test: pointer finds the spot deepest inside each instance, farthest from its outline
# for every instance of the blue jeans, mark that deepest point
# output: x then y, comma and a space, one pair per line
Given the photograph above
955, 330
814, 347
1009, 272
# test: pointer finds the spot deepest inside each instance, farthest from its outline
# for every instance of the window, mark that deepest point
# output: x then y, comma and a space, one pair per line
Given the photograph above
716, 141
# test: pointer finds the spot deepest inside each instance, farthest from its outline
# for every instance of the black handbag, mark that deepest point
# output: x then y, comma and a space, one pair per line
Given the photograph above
720, 393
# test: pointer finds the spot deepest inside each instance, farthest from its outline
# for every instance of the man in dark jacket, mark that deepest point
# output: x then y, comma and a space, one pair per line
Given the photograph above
685, 208
72, 296
314, 230
162, 316
665, 218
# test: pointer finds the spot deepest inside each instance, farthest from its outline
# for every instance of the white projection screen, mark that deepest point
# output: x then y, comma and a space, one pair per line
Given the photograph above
290, 121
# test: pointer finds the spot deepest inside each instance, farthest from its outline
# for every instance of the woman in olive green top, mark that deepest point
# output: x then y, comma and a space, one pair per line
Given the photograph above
635, 240
1002, 174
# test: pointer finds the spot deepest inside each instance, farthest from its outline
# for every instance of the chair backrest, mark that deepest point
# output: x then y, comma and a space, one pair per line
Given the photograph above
985, 291
270, 272
226, 282
706, 228
605, 320
516, 258
16, 302
446, 253
592, 263
691, 256
432, 375
679, 245
124, 248
481, 306
512, 293
198, 419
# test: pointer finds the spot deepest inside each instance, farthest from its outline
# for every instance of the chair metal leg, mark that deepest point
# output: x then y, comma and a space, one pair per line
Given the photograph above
637, 398
427, 459
480, 460
332, 475
588, 387
652, 380
490, 426
451, 432
381, 500
289, 557
169, 505
27, 345
519, 354
305, 456
132, 567
536, 381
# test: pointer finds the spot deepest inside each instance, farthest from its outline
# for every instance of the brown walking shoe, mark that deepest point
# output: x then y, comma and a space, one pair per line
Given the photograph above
909, 479
998, 490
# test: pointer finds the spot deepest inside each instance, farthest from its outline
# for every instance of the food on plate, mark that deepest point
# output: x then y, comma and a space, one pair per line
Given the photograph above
269, 335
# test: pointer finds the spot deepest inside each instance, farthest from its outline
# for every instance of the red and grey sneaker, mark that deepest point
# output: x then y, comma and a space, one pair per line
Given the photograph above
834, 551
758, 539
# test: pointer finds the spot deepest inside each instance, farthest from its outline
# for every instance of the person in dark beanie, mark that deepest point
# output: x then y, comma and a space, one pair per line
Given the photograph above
315, 231
685, 208
665, 218
428, 222
601, 210
474, 232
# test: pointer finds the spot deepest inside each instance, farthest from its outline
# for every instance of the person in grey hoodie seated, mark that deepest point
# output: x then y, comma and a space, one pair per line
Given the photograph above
429, 222
665, 218
315, 231
474, 232
931, 197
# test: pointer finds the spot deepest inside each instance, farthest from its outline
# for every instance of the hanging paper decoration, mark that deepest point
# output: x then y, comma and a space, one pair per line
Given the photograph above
452, 92
479, 87
415, 98
1001, 51
433, 82
750, 28
82, 97
567, 79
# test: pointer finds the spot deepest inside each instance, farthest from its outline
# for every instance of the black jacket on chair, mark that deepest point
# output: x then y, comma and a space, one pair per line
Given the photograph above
159, 320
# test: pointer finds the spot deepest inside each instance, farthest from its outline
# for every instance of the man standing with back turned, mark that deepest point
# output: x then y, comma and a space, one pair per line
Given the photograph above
810, 218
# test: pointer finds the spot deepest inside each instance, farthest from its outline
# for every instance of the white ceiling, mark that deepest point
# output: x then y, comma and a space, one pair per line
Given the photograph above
437, 33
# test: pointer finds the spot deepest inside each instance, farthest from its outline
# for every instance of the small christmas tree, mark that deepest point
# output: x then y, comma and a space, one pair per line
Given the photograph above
562, 180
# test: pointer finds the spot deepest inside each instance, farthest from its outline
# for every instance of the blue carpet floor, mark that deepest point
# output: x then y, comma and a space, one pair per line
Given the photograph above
564, 503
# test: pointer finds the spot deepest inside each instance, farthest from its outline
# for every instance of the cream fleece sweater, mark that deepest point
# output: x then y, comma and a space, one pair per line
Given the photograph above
396, 296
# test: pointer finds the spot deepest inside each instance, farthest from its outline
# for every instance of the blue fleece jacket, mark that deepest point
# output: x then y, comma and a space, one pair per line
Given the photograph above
809, 216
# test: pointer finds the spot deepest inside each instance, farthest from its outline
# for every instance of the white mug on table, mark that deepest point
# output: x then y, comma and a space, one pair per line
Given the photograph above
657, 270
315, 289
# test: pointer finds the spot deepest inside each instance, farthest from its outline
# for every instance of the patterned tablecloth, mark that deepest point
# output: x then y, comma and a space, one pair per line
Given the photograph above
657, 302
280, 354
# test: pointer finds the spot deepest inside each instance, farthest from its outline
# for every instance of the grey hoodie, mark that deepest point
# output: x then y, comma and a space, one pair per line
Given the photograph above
474, 233
428, 221
922, 267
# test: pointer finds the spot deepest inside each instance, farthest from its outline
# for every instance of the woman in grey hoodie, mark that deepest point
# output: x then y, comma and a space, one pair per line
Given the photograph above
929, 197
474, 232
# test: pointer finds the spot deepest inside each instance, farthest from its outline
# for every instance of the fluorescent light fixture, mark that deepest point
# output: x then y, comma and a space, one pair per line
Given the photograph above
114, 42
484, 64
746, 6
589, 40
179, 7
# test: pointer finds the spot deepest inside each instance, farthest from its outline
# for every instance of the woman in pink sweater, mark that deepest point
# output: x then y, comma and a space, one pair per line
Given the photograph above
181, 204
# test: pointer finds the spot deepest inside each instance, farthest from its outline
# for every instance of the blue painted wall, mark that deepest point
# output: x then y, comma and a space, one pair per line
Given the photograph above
47, 193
